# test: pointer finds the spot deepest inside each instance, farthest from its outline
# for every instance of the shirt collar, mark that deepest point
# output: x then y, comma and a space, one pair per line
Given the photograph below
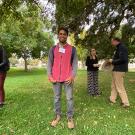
59, 45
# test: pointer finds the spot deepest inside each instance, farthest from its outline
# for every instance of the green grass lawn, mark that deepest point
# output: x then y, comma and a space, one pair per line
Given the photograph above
29, 107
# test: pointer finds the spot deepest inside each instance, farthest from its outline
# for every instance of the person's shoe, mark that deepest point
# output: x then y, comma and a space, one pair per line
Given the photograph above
111, 102
71, 124
124, 105
92, 95
98, 94
55, 121
1, 105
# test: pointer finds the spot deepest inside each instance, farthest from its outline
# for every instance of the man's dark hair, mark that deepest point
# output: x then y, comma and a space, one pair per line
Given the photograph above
63, 28
117, 39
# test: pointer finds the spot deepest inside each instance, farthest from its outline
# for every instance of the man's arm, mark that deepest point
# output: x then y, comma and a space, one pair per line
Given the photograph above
50, 65
86, 62
123, 57
50, 62
3, 55
74, 64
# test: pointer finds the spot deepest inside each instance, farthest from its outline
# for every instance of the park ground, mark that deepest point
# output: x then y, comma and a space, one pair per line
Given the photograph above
29, 106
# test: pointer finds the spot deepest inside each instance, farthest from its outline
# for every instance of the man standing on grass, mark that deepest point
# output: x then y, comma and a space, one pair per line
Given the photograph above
62, 68
120, 63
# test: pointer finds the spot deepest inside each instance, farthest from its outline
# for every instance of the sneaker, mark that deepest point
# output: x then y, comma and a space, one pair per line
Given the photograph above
111, 102
124, 105
71, 123
55, 121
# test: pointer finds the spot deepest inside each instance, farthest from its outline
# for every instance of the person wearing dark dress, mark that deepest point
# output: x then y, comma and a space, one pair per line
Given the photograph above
92, 73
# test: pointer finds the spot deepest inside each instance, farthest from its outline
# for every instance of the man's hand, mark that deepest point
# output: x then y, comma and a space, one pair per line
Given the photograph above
99, 65
96, 65
69, 80
51, 79
110, 60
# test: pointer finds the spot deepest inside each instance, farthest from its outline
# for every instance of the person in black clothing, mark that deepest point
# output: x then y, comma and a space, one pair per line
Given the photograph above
92, 73
4, 67
120, 63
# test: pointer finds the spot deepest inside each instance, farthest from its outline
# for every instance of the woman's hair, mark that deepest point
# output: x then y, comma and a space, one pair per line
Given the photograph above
91, 52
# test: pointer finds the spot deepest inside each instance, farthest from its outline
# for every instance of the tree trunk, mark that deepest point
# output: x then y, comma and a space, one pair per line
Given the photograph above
83, 63
25, 64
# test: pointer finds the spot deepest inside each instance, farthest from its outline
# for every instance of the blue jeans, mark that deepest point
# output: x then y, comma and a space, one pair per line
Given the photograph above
57, 88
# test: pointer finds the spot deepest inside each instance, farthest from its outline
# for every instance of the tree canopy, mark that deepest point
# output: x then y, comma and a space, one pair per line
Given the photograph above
26, 36
100, 18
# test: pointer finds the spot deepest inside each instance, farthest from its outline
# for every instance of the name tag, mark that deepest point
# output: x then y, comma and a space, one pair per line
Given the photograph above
62, 50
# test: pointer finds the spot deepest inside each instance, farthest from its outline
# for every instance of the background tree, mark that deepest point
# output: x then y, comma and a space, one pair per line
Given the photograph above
81, 51
128, 37
102, 18
26, 37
